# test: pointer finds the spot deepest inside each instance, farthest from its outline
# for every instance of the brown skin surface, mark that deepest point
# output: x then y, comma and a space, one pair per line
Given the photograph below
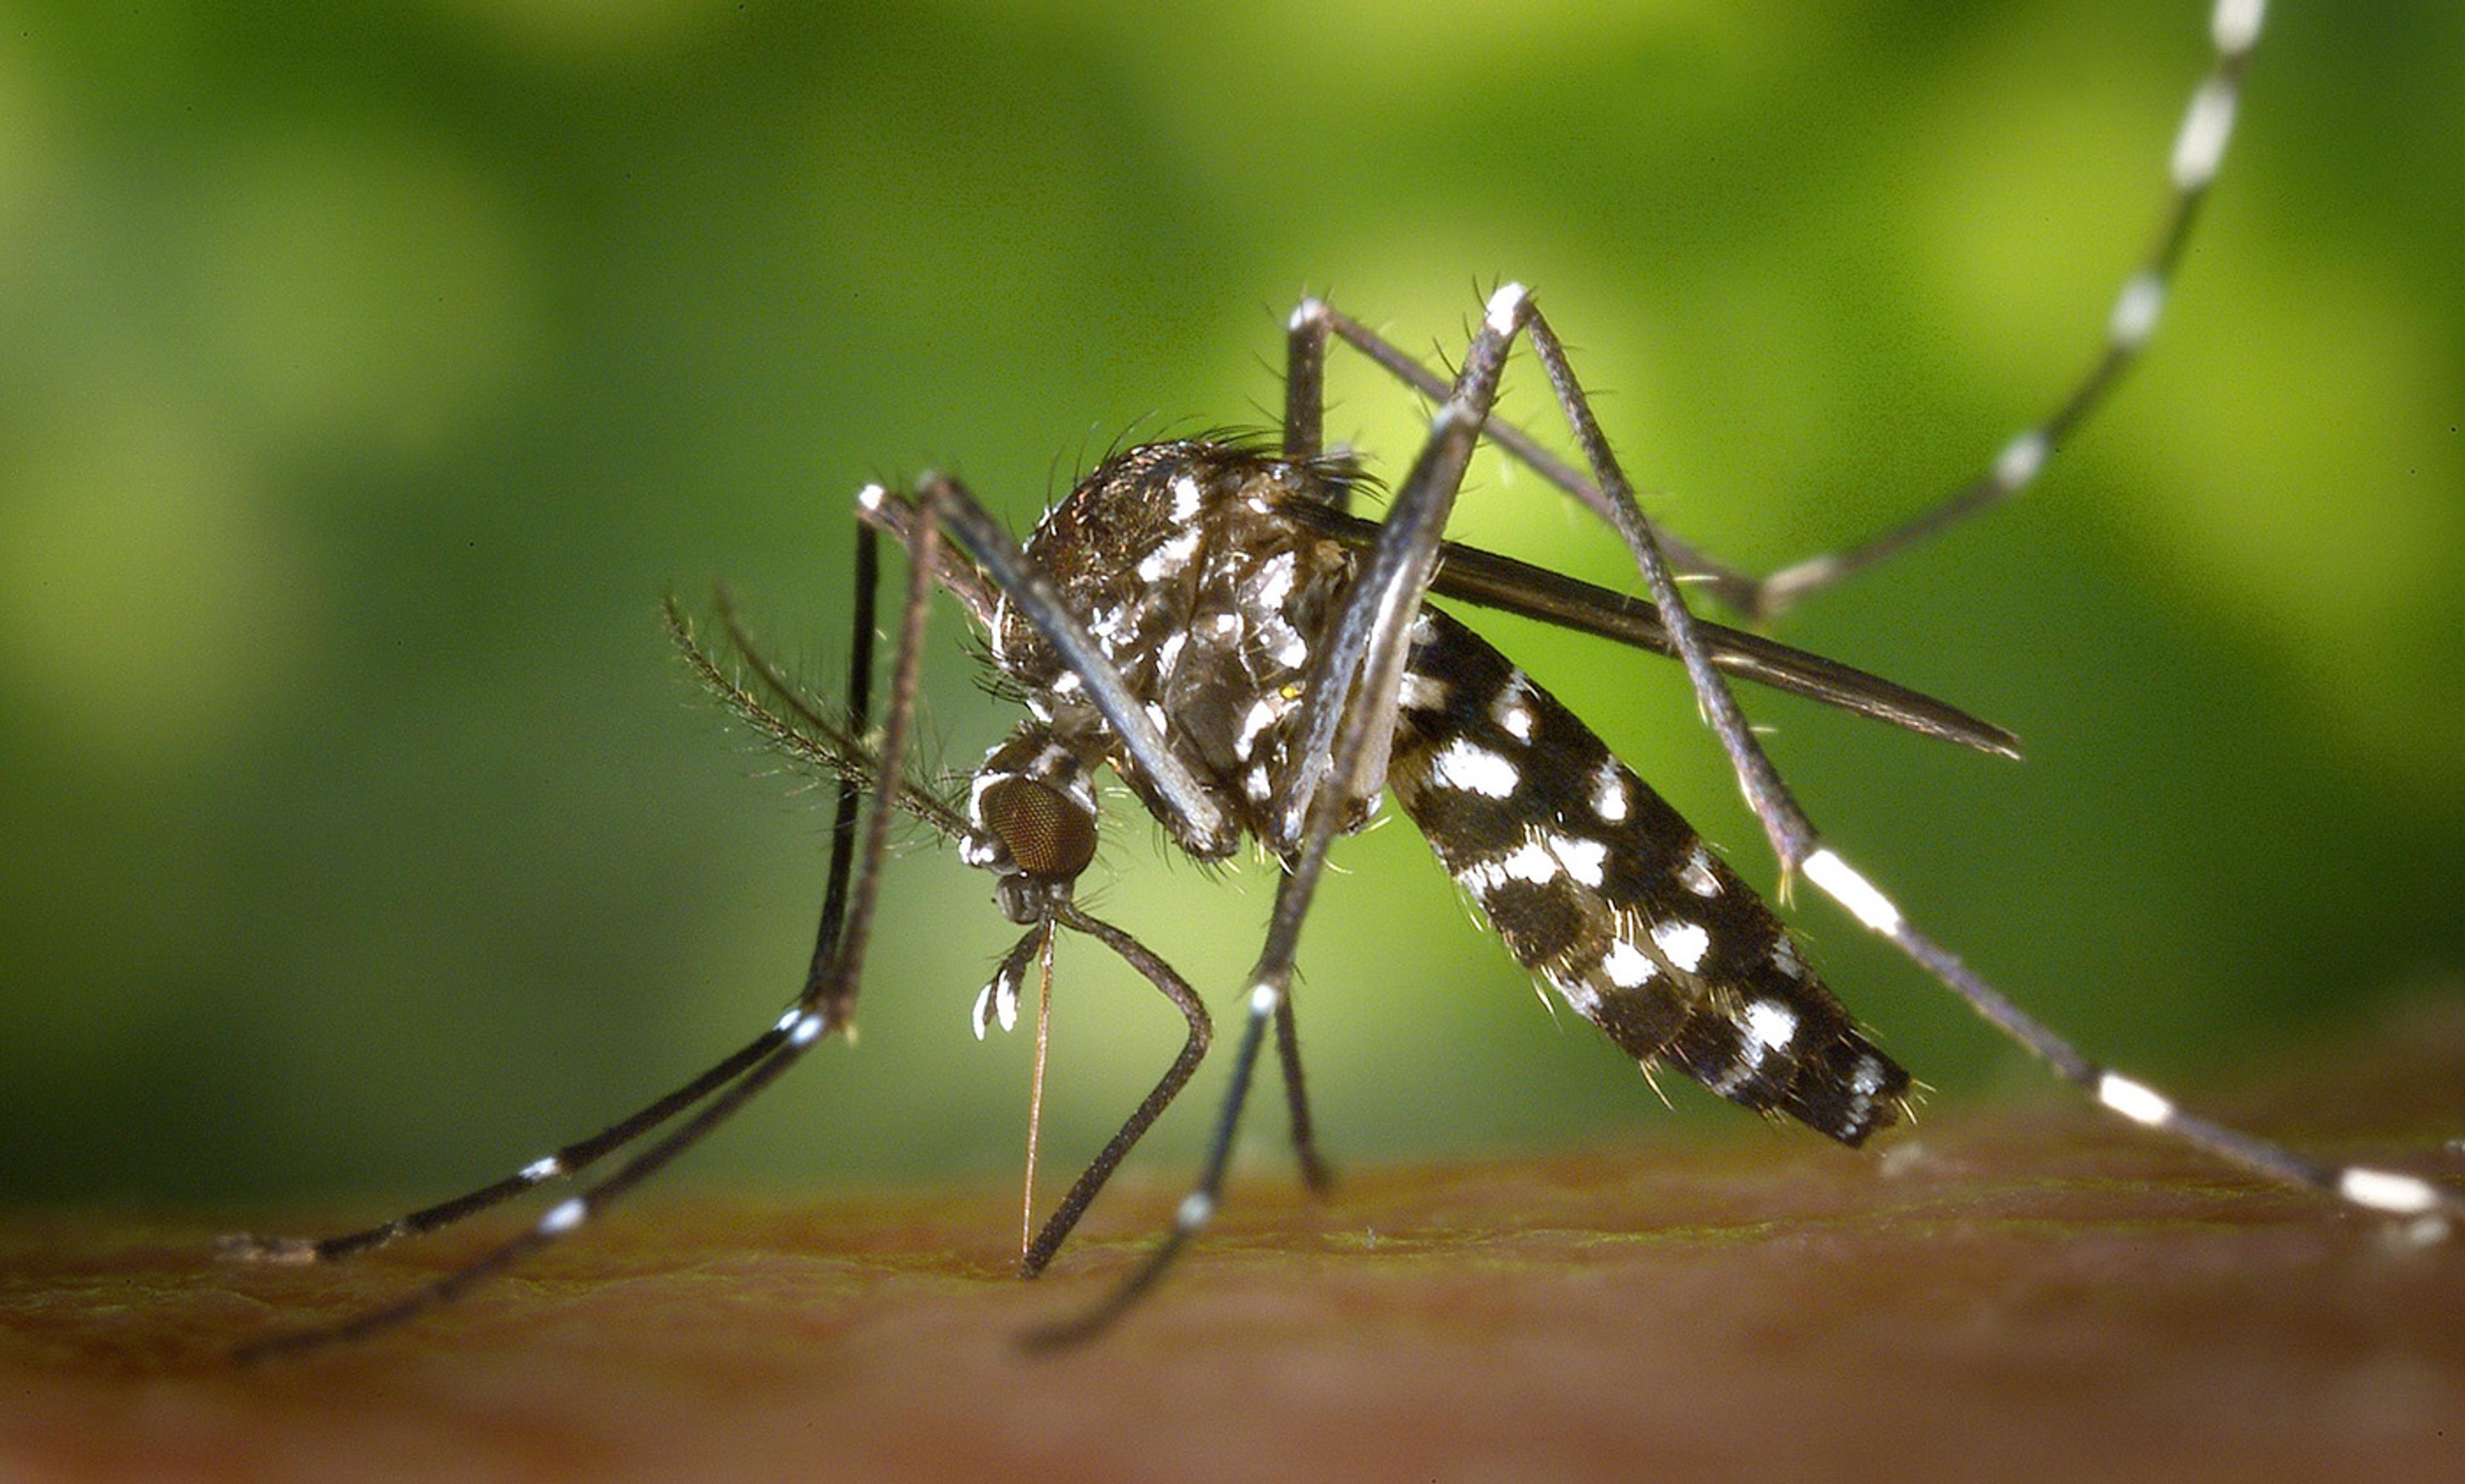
2032, 1294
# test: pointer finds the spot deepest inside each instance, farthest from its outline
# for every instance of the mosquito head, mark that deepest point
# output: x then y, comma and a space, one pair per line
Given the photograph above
1031, 820
1046, 832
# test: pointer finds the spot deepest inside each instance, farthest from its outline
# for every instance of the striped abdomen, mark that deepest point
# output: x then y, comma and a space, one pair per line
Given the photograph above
1599, 887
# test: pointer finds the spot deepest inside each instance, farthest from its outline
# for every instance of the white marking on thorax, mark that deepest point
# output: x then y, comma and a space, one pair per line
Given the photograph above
1169, 556
1185, 499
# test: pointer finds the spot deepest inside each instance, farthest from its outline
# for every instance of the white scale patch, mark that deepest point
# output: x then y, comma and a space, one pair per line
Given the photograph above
984, 783
1512, 708
1263, 714
1168, 558
2134, 1100
998, 1000
1610, 799
1580, 997
1532, 861
2236, 26
2206, 128
1275, 580
1583, 859
1471, 768
2020, 459
1682, 944
1627, 966
1770, 1024
2136, 310
1195, 1210
1697, 876
1504, 305
2387, 1191
1185, 499
1840, 879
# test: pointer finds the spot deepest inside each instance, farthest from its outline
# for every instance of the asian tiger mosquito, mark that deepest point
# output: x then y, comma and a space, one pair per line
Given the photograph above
1208, 619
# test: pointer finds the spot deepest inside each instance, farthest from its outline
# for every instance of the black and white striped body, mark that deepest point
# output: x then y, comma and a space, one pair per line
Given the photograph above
1183, 562
1599, 887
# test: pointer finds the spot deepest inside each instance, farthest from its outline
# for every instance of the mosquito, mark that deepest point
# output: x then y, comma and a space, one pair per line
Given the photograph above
1208, 620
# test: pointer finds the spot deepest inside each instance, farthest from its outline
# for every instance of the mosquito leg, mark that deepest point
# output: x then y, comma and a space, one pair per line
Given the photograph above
1083, 1191
1799, 848
843, 816
1519, 445
571, 1160
1197, 1210
580, 1154
827, 1001
2434, 1210
2199, 150
1288, 1053
1306, 380
1365, 645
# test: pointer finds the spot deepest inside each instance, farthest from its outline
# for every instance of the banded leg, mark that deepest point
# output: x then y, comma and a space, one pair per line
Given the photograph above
1801, 850
573, 1158
2198, 152
826, 1005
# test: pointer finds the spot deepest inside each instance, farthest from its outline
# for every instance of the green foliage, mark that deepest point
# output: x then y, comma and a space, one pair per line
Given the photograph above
373, 369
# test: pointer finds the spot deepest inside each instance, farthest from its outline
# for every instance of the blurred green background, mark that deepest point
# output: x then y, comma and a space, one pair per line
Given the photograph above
371, 369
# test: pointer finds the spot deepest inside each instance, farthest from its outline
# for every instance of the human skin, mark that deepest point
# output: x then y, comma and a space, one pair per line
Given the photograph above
2021, 1293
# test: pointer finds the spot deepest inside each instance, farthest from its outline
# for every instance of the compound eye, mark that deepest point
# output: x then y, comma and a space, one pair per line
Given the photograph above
1046, 832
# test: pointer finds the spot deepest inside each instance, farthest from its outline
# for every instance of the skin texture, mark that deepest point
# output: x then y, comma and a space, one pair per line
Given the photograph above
2022, 1292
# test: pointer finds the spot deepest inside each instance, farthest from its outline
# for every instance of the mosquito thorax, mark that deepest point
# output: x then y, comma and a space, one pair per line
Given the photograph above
1181, 560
